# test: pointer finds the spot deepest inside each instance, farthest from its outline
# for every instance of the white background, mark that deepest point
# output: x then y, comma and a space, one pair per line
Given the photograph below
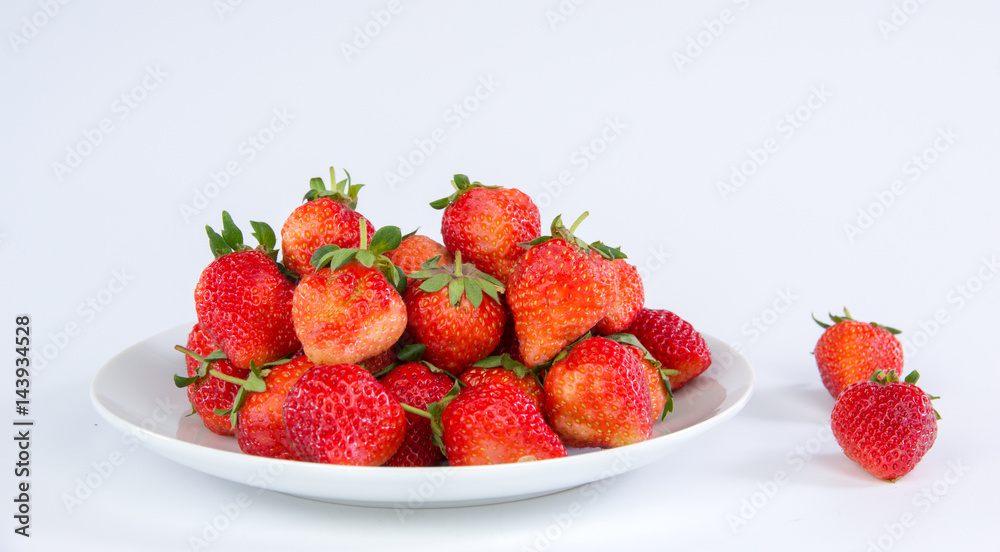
868, 84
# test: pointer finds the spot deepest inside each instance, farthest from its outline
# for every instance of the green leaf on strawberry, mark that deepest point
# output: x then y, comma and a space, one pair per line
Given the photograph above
461, 184
340, 191
368, 254
461, 279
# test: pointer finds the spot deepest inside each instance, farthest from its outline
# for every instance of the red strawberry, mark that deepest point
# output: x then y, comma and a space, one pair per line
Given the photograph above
455, 312
495, 423
628, 300
508, 341
598, 396
674, 343
206, 392
350, 311
340, 414
657, 378
415, 250
885, 425
260, 426
508, 372
417, 385
557, 292
243, 300
379, 362
488, 224
850, 351
326, 217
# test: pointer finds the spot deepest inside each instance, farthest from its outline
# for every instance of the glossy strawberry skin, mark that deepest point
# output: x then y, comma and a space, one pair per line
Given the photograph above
416, 385
529, 385
210, 392
598, 396
317, 223
455, 337
851, 351
244, 303
886, 428
629, 299
557, 293
674, 342
414, 250
496, 424
658, 394
508, 341
260, 427
347, 315
340, 414
488, 226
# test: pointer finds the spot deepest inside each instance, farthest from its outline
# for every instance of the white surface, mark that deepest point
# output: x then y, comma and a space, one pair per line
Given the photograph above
777, 244
134, 379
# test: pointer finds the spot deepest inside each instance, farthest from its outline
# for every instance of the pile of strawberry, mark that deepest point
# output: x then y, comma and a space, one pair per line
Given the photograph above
883, 424
367, 347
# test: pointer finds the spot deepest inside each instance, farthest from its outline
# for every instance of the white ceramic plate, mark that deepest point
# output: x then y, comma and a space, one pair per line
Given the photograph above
135, 393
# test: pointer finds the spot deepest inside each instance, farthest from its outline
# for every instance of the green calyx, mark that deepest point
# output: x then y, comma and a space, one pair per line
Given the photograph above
461, 184
231, 238
886, 377
664, 373
505, 362
461, 279
202, 371
254, 383
847, 316
368, 254
559, 231
341, 191
413, 354
434, 412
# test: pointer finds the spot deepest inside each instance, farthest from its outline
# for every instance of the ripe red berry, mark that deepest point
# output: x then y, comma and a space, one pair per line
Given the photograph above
260, 426
885, 425
674, 342
340, 414
850, 351
495, 423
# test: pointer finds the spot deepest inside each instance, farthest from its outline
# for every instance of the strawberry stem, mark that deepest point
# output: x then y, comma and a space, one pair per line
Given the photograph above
417, 411
572, 229
364, 233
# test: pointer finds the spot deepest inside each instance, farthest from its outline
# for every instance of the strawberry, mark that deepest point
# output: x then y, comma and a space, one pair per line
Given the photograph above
260, 425
326, 217
417, 384
340, 414
558, 291
495, 423
243, 299
349, 311
597, 395
379, 362
628, 302
885, 425
206, 392
415, 250
657, 378
674, 343
508, 341
454, 311
850, 351
488, 224
504, 369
